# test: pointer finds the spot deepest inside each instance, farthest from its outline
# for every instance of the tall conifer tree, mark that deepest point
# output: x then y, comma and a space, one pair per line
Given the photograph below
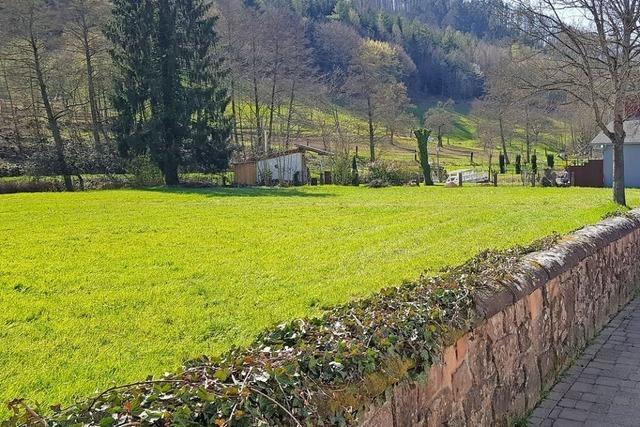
169, 91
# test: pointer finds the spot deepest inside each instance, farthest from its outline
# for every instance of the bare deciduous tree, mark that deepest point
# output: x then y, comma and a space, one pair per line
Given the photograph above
85, 18
440, 118
589, 50
377, 65
36, 32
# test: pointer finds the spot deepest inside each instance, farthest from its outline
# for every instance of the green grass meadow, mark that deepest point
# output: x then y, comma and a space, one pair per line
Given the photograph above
101, 288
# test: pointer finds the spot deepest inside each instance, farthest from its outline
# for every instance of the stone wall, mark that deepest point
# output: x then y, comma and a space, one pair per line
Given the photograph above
529, 329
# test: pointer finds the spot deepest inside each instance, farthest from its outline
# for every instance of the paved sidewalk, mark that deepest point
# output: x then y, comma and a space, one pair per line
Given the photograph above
603, 387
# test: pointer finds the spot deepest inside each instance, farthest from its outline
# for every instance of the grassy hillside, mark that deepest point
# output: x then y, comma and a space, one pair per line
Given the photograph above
101, 288
318, 127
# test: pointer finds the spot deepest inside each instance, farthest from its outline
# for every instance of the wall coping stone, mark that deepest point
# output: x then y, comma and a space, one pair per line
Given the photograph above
540, 267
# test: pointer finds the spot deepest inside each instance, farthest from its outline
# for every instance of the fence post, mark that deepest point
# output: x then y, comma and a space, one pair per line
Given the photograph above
459, 179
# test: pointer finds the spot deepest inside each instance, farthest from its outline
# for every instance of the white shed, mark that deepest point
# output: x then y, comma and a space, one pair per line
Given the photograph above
283, 167
286, 166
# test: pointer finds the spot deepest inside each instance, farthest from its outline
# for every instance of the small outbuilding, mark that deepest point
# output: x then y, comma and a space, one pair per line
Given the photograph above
631, 154
588, 174
286, 166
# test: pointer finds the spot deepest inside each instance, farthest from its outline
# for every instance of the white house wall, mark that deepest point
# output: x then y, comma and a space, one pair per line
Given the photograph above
283, 168
631, 165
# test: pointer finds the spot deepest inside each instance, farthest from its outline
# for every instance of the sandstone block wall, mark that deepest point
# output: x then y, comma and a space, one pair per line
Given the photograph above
528, 331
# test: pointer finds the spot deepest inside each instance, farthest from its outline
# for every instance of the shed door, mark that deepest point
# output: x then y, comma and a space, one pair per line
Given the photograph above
246, 174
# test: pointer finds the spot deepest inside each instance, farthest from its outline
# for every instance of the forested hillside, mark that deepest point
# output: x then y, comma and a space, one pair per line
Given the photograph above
331, 72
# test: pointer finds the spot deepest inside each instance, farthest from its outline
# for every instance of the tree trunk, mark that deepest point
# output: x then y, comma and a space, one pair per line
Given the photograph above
93, 104
273, 95
618, 161
372, 148
168, 106
234, 112
170, 172
14, 117
504, 142
51, 118
336, 122
34, 109
244, 149
290, 113
527, 135
618, 174
422, 136
440, 136
256, 100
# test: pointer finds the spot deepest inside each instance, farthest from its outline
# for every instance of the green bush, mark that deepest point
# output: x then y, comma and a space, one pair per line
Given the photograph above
389, 173
30, 186
145, 172
341, 170
377, 183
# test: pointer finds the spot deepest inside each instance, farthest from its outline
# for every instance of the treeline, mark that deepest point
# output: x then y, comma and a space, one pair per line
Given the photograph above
91, 86
284, 70
440, 36
288, 55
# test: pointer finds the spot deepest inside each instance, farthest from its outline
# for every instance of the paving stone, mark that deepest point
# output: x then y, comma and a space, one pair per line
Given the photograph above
555, 413
541, 413
582, 387
600, 408
562, 422
574, 414
602, 389
613, 382
555, 395
572, 394
534, 421
584, 406
605, 390
567, 403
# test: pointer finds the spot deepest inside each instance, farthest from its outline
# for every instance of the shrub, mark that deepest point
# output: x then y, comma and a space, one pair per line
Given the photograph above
144, 171
388, 172
9, 169
440, 172
503, 163
518, 164
30, 186
341, 170
534, 164
550, 160
377, 183
265, 177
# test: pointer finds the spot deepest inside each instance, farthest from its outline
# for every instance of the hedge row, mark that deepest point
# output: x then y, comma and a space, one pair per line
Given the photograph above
318, 371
